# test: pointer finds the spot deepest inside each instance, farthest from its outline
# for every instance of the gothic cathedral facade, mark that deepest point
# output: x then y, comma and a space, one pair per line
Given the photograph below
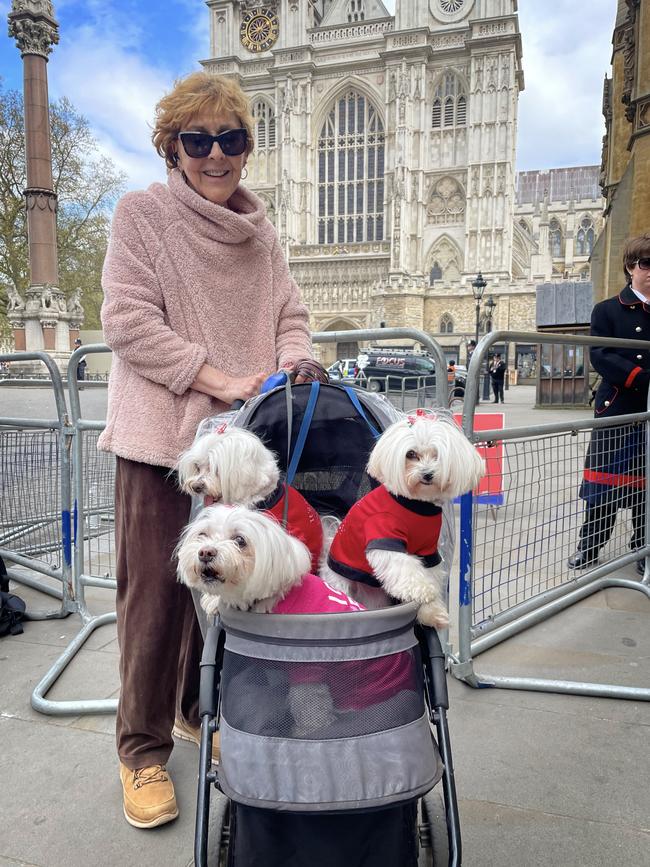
385, 152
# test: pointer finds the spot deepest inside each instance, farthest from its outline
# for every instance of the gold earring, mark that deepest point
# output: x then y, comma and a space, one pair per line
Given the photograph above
244, 176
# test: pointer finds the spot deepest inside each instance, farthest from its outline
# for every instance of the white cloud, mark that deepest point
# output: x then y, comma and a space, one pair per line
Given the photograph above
116, 90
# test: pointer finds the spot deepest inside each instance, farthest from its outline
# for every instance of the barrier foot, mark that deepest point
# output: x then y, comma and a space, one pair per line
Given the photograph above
77, 707
465, 671
568, 687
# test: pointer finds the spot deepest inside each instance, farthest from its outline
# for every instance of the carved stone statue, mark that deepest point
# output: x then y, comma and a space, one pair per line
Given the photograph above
74, 302
14, 299
288, 95
47, 299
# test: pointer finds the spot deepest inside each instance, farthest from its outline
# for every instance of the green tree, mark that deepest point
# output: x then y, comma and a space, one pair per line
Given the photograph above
87, 185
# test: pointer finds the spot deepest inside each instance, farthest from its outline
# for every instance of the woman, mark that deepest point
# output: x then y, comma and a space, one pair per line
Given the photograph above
614, 474
199, 309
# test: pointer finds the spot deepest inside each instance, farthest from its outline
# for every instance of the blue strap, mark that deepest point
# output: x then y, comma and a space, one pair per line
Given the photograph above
357, 405
304, 430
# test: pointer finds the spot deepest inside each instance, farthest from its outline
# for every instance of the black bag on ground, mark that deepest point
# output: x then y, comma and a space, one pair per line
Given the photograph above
12, 607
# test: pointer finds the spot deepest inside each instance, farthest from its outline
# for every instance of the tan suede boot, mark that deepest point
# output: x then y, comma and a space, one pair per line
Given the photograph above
149, 798
185, 732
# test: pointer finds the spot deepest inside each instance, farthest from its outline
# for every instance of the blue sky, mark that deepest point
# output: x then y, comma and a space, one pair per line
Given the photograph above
116, 58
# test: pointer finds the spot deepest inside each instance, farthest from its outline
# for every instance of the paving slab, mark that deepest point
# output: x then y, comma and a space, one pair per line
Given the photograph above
576, 766
67, 810
498, 835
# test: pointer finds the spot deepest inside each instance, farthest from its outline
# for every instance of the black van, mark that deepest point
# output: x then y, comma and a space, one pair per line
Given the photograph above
395, 369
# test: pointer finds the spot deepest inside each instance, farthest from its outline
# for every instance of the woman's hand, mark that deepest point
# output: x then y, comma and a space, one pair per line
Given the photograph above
226, 388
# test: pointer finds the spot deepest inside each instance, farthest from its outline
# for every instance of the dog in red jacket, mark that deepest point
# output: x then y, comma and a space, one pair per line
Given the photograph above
232, 466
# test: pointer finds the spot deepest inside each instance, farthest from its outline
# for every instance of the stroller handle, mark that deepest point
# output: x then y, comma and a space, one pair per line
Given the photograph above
437, 669
210, 661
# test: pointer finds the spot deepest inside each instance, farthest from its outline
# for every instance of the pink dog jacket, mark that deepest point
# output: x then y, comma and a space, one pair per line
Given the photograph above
353, 685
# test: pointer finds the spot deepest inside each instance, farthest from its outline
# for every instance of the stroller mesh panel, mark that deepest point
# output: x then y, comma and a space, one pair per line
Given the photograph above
321, 700
330, 490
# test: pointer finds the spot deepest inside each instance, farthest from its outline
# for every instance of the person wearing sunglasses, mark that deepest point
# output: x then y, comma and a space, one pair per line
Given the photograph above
199, 308
614, 475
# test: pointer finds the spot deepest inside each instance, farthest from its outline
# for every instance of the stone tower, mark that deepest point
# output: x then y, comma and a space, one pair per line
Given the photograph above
625, 168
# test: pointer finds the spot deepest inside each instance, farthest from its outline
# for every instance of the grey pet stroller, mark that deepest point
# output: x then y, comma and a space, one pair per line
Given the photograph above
353, 784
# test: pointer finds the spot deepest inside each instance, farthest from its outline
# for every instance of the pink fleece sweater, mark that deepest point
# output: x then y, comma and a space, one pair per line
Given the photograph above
188, 282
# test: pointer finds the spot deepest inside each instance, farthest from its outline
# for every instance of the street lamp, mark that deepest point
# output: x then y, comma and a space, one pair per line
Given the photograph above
478, 288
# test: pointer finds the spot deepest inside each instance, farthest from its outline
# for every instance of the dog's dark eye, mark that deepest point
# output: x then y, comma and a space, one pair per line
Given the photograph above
240, 541
411, 455
201, 535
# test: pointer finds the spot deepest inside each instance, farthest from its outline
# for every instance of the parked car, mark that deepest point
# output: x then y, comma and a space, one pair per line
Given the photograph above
394, 369
343, 370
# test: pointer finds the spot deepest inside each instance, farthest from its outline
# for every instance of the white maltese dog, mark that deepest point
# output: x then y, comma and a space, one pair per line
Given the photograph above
233, 466
238, 557
387, 545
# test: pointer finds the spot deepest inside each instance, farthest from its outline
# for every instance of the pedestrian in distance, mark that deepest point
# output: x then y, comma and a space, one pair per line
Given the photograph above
614, 474
199, 309
81, 364
497, 375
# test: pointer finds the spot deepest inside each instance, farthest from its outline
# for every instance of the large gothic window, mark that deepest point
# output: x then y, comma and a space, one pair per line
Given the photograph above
555, 239
351, 173
264, 126
449, 107
585, 237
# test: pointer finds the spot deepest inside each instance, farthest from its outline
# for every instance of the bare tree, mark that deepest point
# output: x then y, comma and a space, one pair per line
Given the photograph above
87, 185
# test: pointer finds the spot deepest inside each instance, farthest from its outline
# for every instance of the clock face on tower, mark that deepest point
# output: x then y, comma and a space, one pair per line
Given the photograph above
259, 29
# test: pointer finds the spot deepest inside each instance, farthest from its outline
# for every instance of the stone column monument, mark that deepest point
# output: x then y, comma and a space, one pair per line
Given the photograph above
43, 319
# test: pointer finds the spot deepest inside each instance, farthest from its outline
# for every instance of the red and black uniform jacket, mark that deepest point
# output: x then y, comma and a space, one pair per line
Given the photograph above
616, 456
387, 522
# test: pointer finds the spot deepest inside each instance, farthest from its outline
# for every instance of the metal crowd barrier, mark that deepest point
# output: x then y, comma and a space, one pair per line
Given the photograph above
513, 571
92, 475
512, 566
35, 497
52, 504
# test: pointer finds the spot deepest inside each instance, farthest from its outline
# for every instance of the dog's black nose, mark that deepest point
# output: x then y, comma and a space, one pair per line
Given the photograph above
207, 554
427, 477
198, 487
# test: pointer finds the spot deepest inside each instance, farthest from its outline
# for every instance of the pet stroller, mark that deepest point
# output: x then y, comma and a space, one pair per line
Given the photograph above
354, 788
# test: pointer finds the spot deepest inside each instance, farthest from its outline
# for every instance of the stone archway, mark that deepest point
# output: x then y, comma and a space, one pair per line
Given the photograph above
330, 352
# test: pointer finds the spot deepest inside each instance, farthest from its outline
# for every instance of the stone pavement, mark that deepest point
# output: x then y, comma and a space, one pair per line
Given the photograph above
541, 778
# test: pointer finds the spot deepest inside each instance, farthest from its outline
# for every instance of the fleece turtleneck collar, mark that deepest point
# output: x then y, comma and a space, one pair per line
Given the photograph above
231, 225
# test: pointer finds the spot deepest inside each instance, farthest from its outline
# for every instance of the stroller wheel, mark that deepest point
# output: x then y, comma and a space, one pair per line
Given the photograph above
219, 830
432, 826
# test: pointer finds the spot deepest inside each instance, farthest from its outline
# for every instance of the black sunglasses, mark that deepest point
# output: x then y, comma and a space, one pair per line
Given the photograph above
199, 144
643, 263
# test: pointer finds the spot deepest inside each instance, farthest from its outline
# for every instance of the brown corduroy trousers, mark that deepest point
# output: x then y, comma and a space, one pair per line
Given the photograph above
157, 628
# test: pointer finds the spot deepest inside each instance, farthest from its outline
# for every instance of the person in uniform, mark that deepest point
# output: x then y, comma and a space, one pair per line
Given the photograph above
498, 375
614, 473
